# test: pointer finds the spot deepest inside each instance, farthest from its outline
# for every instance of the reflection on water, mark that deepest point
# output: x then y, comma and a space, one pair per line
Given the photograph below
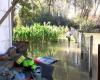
70, 66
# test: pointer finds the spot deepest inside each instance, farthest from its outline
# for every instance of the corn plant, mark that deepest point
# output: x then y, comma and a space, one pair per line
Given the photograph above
36, 33
21, 33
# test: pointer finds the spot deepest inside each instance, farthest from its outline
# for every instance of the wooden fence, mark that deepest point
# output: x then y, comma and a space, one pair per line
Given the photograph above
86, 52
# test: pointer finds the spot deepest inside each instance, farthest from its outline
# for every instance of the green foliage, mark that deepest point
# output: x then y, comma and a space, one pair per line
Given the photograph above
21, 33
25, 12
47, 17
36, 33
85, 25
40, 11
54, 11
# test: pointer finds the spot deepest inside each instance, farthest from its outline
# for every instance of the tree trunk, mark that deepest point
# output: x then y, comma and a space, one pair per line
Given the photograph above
96, 8
12, 17
75, 5
68, 6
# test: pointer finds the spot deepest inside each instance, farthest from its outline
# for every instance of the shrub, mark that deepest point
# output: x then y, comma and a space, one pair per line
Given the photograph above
87, 26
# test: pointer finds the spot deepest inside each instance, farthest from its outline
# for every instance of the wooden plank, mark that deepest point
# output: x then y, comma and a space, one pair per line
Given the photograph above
90, 56
8, 11
98, 61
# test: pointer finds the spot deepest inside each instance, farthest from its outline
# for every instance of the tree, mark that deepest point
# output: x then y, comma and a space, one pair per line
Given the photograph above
85, 6
25, 12
96, 5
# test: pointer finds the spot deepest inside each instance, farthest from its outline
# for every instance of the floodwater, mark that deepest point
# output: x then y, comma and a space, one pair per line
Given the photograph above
69, 66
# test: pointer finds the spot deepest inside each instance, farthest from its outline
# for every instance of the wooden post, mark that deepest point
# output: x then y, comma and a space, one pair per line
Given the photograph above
68, 42
90, 57
99, 62
81, 45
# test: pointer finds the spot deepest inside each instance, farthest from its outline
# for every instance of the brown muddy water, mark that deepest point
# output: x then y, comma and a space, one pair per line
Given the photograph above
96, 41
69, 65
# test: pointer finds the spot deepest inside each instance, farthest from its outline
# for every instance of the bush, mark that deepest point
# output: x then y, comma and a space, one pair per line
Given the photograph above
47, 17
87, 26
